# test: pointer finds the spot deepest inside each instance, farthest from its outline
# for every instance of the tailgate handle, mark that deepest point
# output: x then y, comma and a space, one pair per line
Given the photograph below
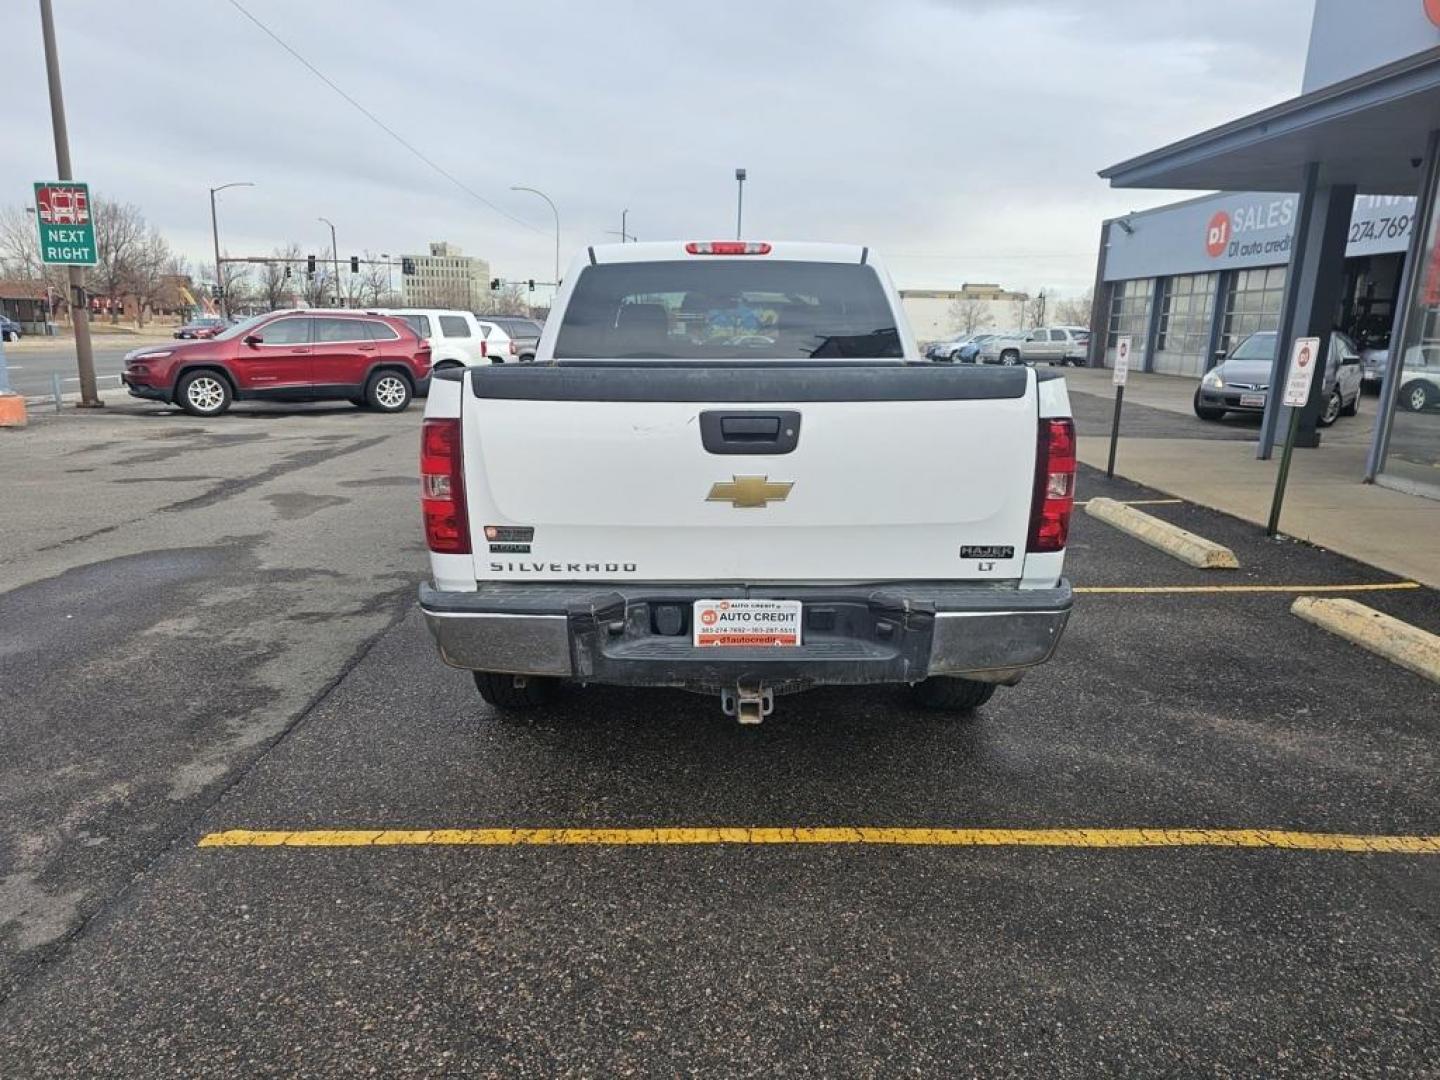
750, 431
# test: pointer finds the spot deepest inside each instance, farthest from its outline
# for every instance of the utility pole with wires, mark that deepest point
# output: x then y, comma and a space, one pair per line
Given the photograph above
79, 302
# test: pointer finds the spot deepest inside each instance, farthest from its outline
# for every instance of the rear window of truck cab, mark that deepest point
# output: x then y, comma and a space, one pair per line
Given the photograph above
728, 309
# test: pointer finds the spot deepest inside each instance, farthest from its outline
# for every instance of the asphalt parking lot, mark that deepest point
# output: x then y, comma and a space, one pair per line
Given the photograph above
208, 626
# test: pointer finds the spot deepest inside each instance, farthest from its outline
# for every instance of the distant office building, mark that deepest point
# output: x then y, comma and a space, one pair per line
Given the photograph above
445, 278
936, 314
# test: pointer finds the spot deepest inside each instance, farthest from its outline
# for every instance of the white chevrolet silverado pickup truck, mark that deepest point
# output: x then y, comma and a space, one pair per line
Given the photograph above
730, 471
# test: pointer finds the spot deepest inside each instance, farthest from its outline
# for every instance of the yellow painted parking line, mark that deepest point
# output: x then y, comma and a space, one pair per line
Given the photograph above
1268, 839
1378, 586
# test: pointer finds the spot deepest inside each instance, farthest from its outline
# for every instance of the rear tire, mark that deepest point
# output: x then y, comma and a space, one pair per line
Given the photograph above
943, 694
1009, 358
1416, 396
388, 392
514, 693
1334, 406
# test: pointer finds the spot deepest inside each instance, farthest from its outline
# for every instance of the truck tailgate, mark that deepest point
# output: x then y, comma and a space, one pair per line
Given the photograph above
749, 474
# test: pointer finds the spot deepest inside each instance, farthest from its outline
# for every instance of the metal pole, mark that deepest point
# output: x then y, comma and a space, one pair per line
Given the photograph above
334, 257
389, 278
219, 271
55, 388
4, 369
1273, 526
739, 200
624, 236
79, 304
1114, 432
556, 212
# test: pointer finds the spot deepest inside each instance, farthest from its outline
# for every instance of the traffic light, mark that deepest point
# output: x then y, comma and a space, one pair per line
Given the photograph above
494, 283
354, 264
310, 265
287, 273
531, 283
407, 266
216, 292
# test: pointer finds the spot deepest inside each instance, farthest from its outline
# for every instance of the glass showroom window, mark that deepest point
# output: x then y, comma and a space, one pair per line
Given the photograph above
1412, 458
1130, 314
1184, 335
1252, 302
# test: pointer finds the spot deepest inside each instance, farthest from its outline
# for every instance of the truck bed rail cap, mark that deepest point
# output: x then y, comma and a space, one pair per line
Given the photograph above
807, 381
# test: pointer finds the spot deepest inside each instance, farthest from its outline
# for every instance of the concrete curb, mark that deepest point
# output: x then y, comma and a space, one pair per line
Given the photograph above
1412, 648
1171, 539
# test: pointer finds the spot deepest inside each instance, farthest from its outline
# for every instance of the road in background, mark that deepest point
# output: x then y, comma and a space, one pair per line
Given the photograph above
32, 363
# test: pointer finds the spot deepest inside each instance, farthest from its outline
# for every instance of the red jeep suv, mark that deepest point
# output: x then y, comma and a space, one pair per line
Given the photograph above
354, 356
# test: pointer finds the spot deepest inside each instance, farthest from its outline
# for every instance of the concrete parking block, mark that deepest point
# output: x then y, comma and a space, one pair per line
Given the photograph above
1412, 648
1181, 543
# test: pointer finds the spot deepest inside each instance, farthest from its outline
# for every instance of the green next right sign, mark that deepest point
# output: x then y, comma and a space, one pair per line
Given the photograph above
67, 232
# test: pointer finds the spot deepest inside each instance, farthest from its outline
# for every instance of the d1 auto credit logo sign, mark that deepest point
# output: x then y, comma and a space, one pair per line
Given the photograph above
1217, 234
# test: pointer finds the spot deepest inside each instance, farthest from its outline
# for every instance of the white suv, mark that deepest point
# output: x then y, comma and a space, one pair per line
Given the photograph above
457, 338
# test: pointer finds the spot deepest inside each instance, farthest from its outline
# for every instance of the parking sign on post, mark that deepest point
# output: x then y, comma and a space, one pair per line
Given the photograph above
67, 232
1118, 377
1304, 359
1122, 361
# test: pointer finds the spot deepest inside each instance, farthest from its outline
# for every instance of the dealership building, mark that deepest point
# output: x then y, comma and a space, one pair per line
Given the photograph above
1325, 218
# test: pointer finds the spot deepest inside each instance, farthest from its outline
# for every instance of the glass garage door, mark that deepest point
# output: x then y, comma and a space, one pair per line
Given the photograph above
1130, 315
1183, 339
1252, 302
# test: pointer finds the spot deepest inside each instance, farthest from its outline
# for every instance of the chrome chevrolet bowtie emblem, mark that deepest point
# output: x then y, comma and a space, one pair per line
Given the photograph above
749, 491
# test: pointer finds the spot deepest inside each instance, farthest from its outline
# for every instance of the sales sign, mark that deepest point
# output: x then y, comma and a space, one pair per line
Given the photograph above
1304, 359
1122, 361
67, 232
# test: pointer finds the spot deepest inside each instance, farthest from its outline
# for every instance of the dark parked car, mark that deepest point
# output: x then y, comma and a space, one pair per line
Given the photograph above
523, 333
1241, 382
200, 329
10, 329
373, 360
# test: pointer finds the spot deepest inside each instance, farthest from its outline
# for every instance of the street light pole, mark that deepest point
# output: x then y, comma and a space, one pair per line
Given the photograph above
536, 191
215, 235
335, 257
389, 278
739, 200
79, 303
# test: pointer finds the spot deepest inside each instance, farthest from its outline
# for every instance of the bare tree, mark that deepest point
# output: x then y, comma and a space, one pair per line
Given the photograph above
233, 278
146, 280
1033, 310
274, 289
1075, 312
20, 253
120, 234
511, 299
318, 289
969, 316
372, 287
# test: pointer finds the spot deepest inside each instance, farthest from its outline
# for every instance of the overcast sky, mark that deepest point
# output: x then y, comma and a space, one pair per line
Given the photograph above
960, 138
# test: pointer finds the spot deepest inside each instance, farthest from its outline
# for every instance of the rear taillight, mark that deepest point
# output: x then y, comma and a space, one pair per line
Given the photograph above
442, 488
726, 247
1054, 498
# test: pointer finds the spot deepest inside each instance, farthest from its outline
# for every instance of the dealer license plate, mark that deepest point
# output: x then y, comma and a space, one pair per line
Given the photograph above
746, 623
1252, 401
